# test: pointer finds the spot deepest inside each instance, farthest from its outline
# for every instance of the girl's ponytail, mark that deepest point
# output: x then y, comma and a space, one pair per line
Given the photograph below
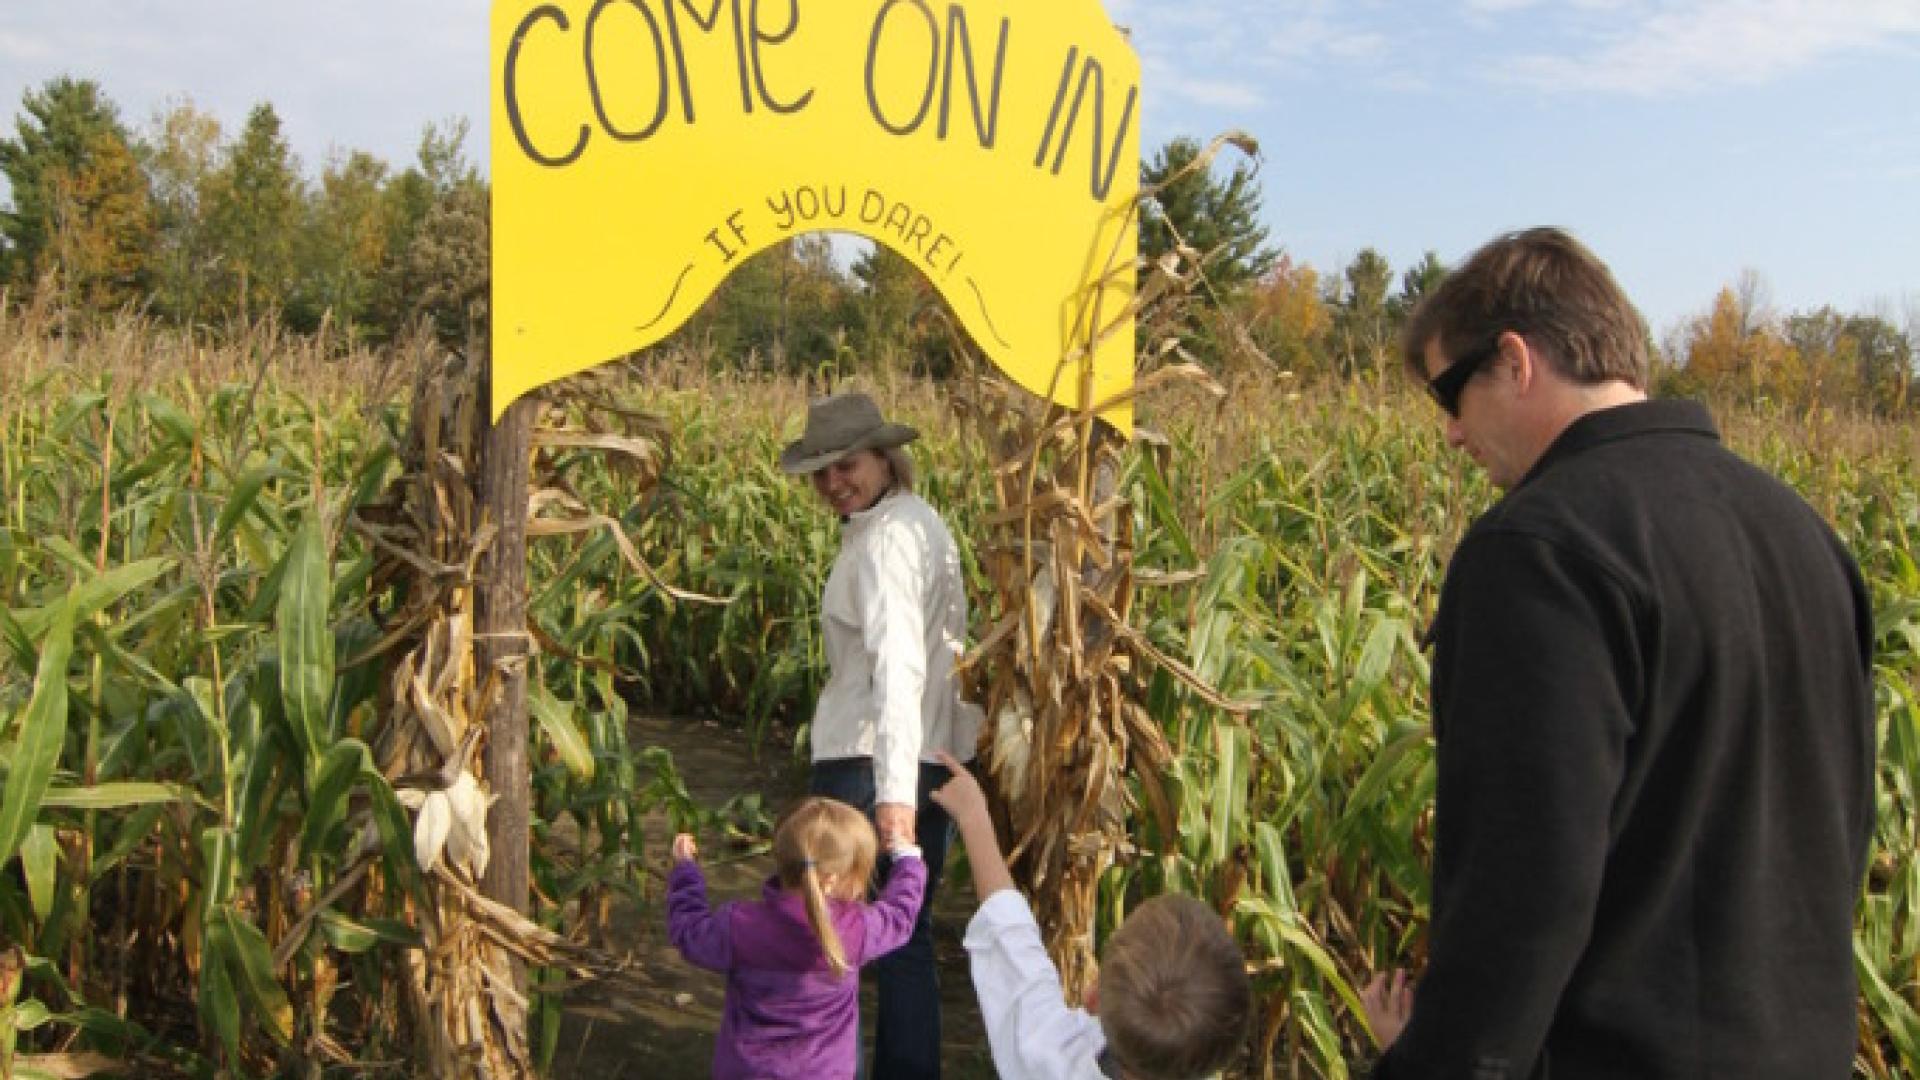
823, 838
820, 917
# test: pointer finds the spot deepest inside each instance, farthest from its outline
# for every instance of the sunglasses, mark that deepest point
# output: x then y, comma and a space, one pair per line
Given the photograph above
1446, 387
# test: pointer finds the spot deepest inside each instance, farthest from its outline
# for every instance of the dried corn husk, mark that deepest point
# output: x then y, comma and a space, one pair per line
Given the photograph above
463, 991
1061, 671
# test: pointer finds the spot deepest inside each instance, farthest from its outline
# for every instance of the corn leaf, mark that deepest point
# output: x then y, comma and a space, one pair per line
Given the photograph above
242, 498
39, 857
216, 856
252, 969
1229, 810
358, 935
219, 1007
396, 833
306, 643
556, 719
94, 594
120, 795
332, 782
1896, 1016
43, 730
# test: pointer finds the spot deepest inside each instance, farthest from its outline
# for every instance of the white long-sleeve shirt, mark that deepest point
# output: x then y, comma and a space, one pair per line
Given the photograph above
894, 618
1032, 1032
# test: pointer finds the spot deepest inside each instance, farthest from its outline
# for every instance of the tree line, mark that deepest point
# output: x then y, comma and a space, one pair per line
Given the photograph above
206, 230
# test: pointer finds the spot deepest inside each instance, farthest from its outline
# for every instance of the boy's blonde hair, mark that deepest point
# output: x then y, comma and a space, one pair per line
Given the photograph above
815, 838
1174, 997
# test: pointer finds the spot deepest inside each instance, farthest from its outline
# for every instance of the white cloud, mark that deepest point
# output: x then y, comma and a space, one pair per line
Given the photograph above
1317, 35
25, 47
1213, 93
1697, 44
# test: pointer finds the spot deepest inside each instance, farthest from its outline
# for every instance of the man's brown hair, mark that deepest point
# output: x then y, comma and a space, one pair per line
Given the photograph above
1545, 286
1174, 997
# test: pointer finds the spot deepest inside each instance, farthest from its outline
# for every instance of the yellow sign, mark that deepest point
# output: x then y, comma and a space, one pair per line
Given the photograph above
643, 148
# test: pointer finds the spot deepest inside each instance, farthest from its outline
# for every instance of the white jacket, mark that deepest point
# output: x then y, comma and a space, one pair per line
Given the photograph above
894, 618
1032, 1031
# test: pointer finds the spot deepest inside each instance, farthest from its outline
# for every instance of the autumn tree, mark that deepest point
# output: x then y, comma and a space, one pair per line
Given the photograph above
779, 310
1734, 351
342, 245
80, 208
182, 157
1287, 319
1862, 360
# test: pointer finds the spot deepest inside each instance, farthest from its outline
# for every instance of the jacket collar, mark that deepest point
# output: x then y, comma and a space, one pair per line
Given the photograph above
879, 507
1623, 422
778, 895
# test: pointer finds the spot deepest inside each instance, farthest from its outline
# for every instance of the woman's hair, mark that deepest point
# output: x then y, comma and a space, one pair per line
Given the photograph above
902, 465
819, 837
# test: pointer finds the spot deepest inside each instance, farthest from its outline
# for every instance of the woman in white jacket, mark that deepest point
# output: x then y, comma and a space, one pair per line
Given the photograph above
894, 620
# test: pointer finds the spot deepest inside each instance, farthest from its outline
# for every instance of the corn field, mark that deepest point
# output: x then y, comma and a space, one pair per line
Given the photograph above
208, 853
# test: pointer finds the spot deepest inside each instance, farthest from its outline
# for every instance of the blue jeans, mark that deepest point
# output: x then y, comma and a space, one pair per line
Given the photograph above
906, 1041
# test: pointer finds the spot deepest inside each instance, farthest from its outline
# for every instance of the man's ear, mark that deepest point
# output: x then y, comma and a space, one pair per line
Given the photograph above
1091, 999
1518, 357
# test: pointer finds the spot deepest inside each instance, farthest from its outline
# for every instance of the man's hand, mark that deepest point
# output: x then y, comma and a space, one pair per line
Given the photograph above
895, 823
685, 849
1388, 1000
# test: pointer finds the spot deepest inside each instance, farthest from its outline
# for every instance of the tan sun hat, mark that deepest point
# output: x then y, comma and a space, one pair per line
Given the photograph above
838, 426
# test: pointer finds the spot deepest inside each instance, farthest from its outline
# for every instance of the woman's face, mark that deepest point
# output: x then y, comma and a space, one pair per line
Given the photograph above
853, 483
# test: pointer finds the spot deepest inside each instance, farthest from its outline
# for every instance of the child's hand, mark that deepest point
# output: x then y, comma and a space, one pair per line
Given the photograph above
1388, 1000
961, 796
684, 848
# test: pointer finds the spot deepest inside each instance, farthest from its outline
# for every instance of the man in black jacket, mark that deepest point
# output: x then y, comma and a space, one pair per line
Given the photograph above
1652, 713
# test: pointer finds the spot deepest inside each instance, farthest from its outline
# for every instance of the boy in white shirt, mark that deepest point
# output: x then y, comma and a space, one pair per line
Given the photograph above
1171, 1003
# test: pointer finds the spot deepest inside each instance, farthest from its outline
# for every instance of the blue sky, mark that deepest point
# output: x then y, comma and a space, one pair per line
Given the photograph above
1686, 140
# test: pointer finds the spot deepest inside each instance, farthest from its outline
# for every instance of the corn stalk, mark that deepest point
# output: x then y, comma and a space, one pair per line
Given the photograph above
430, 537
1064, 670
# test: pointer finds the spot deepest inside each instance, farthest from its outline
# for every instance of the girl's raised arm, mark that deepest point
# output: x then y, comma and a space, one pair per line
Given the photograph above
703, 936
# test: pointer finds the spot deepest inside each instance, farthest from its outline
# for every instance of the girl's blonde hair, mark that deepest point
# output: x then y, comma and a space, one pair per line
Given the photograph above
820, 837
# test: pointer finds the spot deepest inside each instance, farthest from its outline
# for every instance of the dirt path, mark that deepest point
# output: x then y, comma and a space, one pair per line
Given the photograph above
663, 1029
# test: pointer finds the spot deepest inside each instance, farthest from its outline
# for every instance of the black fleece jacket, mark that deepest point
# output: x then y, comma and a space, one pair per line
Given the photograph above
1653, 716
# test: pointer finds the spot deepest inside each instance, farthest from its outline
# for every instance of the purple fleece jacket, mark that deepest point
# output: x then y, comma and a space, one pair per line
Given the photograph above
786, 1014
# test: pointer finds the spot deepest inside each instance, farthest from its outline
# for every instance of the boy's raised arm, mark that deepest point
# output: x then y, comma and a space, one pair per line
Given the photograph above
966, 804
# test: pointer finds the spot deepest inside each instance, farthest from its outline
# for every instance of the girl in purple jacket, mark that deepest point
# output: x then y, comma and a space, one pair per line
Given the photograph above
792, 958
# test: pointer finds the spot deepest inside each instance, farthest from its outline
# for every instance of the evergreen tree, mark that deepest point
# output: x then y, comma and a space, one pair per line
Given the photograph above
80, 208
439, 173
1363, 322
895, 316
253, 213
445, 275
1418, 280
1218, 218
